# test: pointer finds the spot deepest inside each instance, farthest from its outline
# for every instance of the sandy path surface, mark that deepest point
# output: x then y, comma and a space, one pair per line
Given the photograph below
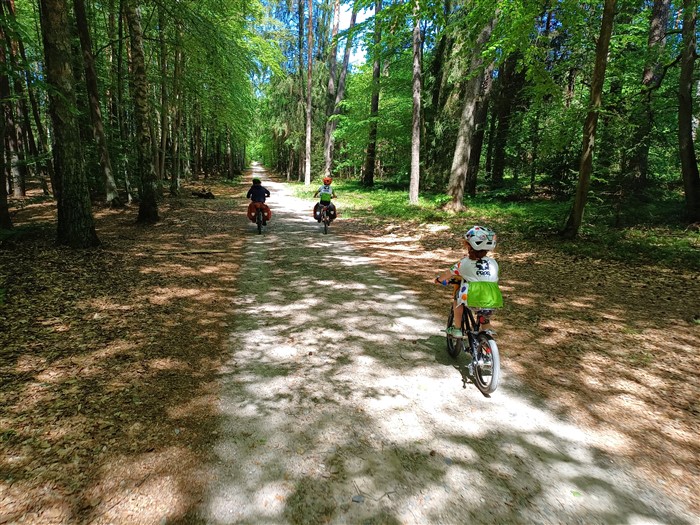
340, 405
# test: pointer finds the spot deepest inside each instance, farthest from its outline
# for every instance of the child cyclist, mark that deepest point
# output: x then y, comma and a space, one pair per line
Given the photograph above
257, 194
326, 194
479, 279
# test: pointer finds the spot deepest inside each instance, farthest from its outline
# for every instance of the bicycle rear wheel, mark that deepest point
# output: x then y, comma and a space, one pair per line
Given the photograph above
259, 220
454, 344
487, 367
325, 219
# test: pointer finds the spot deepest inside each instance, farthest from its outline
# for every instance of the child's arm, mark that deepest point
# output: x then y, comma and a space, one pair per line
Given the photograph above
316, 194
334, 195
445, 276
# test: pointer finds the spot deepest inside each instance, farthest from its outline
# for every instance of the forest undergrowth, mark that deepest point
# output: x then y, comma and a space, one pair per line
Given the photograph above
110, 356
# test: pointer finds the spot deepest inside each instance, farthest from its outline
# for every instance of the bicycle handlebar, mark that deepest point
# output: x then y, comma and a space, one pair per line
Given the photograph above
445, 282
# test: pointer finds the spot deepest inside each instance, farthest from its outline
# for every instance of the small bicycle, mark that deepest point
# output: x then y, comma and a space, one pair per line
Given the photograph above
485, 365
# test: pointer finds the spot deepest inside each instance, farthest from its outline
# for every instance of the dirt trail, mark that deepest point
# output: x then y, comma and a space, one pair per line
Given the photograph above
340, 405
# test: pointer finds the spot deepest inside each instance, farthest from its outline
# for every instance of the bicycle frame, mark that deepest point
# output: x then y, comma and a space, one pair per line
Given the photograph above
484, 366
325, 217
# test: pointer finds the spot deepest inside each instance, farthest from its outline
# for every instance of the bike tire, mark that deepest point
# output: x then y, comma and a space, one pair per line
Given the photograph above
487, 368
325, 226
454, 345
259, 221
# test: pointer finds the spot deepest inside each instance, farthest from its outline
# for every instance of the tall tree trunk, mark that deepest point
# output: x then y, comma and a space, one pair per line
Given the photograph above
689, 162
17, 47
11, 142
332, 88
148, 206
510, 85
176, 112
302, 87
5, 219
23, 125
436, 69
332, 122
371, 157
309, 71
477, 142
120, 108
110, 186
41, 131
416, 119
573, 223
332, 60
164, 102
460, 160
76, 227
638, 159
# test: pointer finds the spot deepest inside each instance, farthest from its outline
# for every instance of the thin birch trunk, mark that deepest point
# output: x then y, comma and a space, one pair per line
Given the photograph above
309, 70
416, 128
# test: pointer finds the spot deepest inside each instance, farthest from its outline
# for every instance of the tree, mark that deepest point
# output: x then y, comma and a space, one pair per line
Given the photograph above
148, 206
75, 222
370, 159
689, 162
637, 162
339, 94
110, 186
589, 128
415, 132
5, 219
463, 148
309, 69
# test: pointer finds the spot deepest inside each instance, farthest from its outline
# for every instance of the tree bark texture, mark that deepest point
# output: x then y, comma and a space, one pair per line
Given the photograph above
75, 222
689, 162
480, 122
589, 128
638, 159
110, 186
148, 206
332, 122
309, 72
414, 185
460, 160
511, 84
5, 219
371, 157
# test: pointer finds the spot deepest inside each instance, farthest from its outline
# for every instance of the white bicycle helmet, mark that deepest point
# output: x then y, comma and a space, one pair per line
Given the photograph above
481, 238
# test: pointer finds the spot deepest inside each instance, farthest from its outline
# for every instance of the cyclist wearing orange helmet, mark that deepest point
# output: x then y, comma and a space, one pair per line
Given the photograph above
326, 193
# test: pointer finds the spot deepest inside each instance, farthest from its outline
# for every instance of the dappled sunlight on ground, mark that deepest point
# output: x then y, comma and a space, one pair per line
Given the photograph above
602, 358
198, 372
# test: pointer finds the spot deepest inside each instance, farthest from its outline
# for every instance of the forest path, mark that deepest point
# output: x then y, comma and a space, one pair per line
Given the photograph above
340, 405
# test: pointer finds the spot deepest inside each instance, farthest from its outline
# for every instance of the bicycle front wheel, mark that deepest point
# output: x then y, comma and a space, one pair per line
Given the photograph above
454, 344
487, 366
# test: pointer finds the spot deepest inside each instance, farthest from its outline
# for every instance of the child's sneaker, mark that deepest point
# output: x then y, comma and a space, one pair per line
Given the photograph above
454, 332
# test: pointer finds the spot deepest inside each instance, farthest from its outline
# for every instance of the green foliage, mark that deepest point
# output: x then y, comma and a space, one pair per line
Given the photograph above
656, 233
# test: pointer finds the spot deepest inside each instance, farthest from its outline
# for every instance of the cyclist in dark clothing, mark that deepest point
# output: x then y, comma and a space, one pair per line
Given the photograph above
257, 194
